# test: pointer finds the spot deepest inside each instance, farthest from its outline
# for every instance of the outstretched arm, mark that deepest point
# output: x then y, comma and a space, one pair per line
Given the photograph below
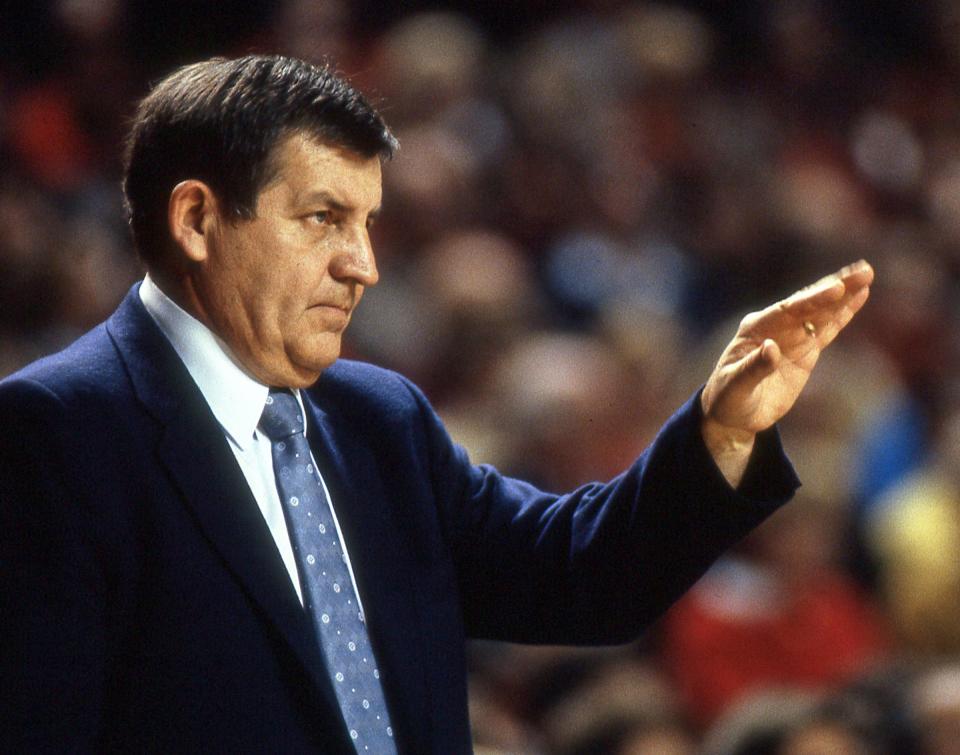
765, 367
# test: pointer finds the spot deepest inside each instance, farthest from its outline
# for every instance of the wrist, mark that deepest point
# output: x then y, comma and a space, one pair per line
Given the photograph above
730, 448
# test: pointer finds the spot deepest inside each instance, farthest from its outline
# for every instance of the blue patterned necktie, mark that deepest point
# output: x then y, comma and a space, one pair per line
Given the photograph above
328, 593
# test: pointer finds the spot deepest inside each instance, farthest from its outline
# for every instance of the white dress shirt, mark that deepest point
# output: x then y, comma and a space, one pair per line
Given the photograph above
237, 401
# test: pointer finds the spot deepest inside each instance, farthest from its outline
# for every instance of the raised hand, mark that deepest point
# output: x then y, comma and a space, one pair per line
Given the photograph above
765, 367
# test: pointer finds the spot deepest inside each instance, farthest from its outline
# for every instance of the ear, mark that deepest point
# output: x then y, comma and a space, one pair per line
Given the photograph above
191, 215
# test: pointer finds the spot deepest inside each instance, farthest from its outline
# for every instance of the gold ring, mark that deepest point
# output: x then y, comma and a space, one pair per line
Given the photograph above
810, 328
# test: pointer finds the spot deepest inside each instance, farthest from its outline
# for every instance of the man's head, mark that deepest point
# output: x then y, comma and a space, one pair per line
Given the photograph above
250, 185
218, 121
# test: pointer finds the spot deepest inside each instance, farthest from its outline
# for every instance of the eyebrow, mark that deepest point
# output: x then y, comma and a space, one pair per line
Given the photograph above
334, 204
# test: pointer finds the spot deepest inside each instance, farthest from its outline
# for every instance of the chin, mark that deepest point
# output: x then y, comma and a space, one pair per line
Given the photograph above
292, 374
305, 373
300, 367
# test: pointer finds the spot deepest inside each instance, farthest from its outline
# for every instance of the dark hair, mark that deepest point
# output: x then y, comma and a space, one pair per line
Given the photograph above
218, 121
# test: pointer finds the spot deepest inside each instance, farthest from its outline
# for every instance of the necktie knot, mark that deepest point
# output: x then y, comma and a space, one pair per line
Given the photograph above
281, 416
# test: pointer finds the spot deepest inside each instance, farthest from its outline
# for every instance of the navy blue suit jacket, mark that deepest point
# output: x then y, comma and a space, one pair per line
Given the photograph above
145, 606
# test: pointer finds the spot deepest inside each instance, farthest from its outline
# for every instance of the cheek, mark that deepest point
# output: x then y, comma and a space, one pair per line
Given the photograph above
271, 277
267, 285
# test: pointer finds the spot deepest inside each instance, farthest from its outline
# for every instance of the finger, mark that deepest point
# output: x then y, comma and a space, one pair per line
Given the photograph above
857, 275
832, 290
853, 277
835, 297
827, 328
825, 292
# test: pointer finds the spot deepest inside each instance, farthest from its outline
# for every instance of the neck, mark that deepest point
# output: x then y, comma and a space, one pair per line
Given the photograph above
182, 292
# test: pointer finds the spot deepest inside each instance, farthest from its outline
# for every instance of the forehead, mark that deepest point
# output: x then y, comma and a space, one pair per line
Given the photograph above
306, 167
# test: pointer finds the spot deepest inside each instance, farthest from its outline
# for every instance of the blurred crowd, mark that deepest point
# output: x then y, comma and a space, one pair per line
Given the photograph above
587, 197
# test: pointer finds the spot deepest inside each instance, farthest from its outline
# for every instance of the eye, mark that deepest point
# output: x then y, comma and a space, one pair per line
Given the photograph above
321, 216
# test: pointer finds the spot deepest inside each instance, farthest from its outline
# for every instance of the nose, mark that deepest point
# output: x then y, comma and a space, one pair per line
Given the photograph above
355, 260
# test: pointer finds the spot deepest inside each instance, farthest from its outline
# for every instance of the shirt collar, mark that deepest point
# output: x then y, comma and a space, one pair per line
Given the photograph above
234, 397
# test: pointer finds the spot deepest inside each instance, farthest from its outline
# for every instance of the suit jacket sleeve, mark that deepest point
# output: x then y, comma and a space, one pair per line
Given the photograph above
52, 588
598, 564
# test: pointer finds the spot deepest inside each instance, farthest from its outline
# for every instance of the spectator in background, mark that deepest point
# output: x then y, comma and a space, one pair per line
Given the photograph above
786, 721
913, 532
934, 705
777, 613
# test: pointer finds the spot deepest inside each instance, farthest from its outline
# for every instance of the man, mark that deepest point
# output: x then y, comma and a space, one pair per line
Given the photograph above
184, 570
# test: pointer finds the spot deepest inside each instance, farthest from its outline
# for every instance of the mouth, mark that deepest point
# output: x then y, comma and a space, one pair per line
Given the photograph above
339, 313
345, 308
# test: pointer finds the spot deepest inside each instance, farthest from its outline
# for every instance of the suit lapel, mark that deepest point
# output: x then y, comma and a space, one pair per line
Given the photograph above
194, 450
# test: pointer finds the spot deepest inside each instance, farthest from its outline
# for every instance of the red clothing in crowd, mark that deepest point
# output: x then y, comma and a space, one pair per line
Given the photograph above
741, 629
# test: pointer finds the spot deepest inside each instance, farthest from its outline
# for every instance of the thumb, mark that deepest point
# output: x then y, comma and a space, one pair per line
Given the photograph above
758, 364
